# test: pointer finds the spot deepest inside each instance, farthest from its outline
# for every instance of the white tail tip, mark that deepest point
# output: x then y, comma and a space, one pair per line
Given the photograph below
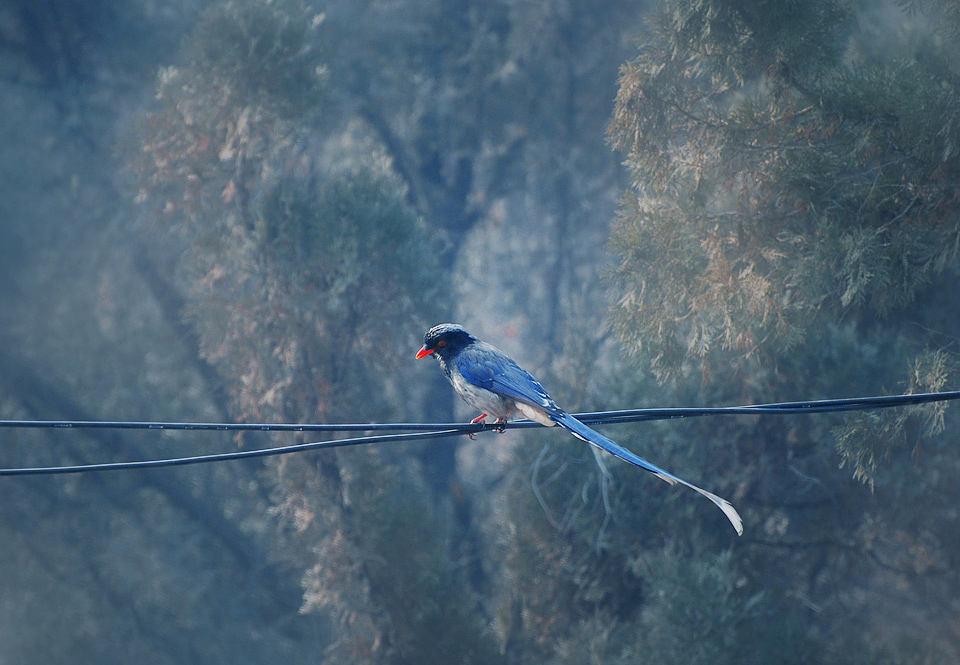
722, 504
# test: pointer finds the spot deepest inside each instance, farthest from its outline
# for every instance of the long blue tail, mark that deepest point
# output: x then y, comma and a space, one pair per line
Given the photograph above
581, 431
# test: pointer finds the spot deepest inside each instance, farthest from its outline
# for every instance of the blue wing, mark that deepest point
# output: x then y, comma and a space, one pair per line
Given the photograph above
489, 368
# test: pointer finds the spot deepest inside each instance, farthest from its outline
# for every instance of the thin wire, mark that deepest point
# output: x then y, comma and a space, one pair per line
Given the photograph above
780, 408
243, 427
427, 430
623, 416
222, 457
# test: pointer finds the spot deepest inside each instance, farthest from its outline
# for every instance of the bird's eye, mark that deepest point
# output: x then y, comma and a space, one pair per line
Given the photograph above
441, 344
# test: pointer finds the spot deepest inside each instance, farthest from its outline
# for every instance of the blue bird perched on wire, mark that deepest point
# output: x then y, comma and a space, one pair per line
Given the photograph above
489, 380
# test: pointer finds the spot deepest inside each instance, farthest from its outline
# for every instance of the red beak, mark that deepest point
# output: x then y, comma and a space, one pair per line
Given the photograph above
424, 352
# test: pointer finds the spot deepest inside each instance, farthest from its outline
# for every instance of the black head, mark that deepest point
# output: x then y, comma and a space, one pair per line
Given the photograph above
446, 339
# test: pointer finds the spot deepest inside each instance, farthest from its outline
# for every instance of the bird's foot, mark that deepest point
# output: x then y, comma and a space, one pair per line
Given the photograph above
500, 424
478, 419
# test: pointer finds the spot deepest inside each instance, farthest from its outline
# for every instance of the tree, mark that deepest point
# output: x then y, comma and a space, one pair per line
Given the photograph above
146, 564
305, 286
793, 212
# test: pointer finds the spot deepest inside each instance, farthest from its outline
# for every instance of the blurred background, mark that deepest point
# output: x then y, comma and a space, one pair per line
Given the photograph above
251, 210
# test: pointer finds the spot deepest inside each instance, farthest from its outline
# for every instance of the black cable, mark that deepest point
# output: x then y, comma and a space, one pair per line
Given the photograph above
430, 430
622, 416
780, 408
233, 427
222, 457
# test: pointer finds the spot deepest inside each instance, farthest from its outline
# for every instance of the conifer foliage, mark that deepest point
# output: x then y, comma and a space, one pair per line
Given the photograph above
789, 175
306, 285
793, 228
783, 178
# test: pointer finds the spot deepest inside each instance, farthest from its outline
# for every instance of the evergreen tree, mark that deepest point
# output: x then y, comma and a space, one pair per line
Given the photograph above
305, 286
792, 226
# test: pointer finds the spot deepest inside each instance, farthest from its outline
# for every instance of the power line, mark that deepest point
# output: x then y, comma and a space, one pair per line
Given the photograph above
780, 408
233, 427
423, 431
596, 417
223, 457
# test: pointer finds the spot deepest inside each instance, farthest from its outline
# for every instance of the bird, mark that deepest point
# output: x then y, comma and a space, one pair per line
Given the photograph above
489, 380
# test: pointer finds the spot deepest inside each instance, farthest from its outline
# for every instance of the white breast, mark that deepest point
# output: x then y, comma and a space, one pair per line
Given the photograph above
480, 398
495, 406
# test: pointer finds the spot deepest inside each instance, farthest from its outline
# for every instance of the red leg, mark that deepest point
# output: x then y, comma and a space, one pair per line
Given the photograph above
498, 424
478, 419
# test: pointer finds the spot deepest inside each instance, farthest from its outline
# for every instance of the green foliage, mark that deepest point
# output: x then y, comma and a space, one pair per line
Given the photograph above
738, 41
336, 266
868, 437
793, 230
249, 72
284, 270
579, 551
363, 244
944, 15
432, 614
378, 567
694, 607
305, 286
767, 202
701, 610
264, 52
560, 563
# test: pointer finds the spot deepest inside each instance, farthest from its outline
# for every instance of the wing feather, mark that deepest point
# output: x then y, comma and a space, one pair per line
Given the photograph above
487, 367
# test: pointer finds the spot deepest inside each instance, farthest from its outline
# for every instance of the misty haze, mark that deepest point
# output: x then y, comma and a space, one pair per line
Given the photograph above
251, 211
